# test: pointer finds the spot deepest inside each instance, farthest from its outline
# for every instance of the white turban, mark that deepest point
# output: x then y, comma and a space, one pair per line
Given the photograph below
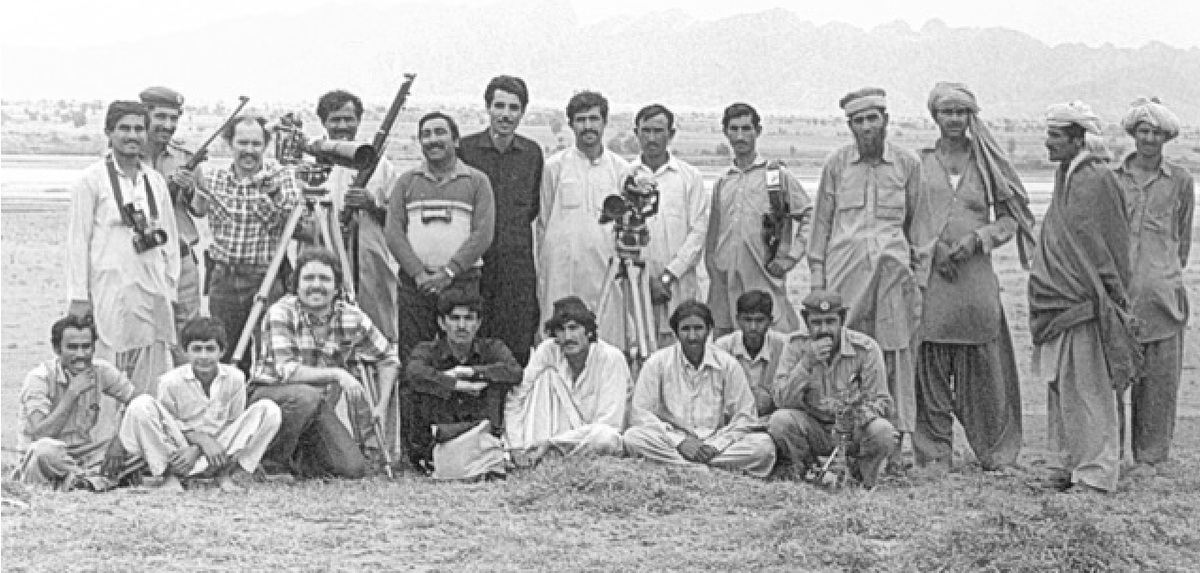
1076, 112
952, 93
1154, 113
863, 99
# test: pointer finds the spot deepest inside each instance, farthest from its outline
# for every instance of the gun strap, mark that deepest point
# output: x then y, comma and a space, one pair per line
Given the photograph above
115, 182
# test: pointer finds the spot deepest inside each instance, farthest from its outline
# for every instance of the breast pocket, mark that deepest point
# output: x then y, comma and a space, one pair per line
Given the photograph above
889, 199
571, 193
852, 192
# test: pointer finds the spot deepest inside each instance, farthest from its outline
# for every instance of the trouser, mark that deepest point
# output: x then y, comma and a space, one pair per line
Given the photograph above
801, 438
977, 383
422, 411
230, 299
899, 365
143, 366
596, 439
508, 285
1154, 398
546, 412
1081, 405
51, 462
418, 311
754, 453
725, 286
150, 431
311, 441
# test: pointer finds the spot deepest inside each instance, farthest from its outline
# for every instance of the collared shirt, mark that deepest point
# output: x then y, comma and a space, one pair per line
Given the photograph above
131, 292
760, 369
811, 390
173, 157
860, 240
289, 341
1160, 237
46, 385
740, 199
573, 248
246, 217
516, 178
491, 360
712, 401
434, 223
182, 394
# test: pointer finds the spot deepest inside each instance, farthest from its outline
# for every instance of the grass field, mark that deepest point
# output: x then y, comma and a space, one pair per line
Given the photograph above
593, 514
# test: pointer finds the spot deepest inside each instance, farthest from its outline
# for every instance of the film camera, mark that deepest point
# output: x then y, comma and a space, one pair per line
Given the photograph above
291, 145
145, 235
629, 211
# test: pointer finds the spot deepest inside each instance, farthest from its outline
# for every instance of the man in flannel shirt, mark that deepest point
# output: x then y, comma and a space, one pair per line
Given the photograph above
247, 204
311, 338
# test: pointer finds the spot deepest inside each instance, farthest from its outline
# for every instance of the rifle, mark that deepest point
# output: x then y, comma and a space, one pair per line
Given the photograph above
774, 221
201, 153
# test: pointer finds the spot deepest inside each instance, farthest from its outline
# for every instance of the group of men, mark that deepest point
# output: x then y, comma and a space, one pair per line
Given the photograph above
461, 258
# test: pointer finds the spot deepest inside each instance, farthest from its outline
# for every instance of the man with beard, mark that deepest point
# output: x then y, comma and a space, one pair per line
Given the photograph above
677, 231
972, 202
311, 340
831, 388
756, 346
340, 113
123, 252
513, 164
61, 443
1083, 349
692, 405
573, 248
573, 396
861, 245
1160, 199
752, 192
165, 106
456, 382
248, 204
440, 222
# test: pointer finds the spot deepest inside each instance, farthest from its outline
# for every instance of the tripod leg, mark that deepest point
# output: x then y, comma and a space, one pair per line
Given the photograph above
610, 279
650, 327
636, 285
264, 291
334, 242
369, 383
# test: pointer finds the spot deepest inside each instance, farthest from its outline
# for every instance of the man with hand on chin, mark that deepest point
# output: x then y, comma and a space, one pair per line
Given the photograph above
440, 222
310, 341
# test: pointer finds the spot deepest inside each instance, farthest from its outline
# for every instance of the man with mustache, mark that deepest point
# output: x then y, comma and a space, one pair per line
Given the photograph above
752, 191
165, 107
61, 443
573, 395
312, 340
248, 204
1083, 348
457, 382
573, 248
440, 221
692, 405
123, 252
756, 346
972, 202
514, 166
677, 231
861, 247
1160, 198
831, 386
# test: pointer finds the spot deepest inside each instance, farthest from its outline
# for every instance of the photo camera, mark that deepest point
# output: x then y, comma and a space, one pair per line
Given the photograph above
145, 235
629, 211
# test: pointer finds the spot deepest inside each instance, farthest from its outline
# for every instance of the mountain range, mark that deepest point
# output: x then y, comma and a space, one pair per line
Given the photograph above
773, 59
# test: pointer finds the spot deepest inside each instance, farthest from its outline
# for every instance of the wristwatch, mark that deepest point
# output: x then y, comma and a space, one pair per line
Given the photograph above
667, 279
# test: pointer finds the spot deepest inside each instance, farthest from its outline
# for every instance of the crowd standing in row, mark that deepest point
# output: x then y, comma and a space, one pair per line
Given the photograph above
461, 258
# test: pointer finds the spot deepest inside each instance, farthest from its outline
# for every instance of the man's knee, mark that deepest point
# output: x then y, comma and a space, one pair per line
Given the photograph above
637, 439
878, 438
141, 408
293, 399
46, 449
605, 440
270, 413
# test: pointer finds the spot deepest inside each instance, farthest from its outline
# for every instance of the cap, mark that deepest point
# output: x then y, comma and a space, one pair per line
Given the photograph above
570, 308
823, 301
159, 95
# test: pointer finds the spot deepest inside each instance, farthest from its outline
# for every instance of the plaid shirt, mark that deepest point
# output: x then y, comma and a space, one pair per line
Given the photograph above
289, 341
246, 219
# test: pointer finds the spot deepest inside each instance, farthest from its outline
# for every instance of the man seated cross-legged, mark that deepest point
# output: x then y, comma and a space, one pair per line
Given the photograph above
573, 396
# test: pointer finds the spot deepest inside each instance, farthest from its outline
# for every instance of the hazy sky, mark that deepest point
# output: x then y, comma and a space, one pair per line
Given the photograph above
1124, 23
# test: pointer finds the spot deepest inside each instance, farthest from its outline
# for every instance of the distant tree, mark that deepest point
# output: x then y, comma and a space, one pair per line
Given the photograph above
556, 124
792, 151
79, 119
1012, 147
722, 149
631, 144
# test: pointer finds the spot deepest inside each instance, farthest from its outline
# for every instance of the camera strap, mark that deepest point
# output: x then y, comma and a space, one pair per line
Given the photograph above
115, 181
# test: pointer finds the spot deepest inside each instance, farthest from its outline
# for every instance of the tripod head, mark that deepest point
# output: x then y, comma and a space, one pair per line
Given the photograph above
628, 212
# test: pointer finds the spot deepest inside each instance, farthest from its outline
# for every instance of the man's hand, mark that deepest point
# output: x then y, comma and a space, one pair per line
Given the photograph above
80, 308
213, 451
183, 460
817, 351
114, 459
660, 293
780, 266
82, 382
359, 198
435, 282
460, 372
351, 387
694, 450
965, 247
943, 262
183, 179
472, 388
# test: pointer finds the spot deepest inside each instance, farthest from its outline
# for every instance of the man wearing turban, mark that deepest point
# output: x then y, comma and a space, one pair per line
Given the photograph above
972, 202
1159, 197
1078, 292
860, 243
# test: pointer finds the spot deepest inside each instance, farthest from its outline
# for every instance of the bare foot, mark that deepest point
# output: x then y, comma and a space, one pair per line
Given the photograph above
170, 484
227, 482
536, 452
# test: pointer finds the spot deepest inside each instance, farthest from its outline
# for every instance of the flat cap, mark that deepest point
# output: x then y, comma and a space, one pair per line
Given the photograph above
161, 96
823, 301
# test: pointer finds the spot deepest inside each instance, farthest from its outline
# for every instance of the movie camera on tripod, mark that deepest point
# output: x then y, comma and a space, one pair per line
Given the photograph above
291, 145
629, 211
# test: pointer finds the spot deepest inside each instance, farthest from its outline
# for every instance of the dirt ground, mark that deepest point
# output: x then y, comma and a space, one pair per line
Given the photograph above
592, 514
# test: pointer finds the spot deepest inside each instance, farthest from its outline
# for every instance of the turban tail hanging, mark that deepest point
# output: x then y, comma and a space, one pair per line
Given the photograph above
1003, 185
